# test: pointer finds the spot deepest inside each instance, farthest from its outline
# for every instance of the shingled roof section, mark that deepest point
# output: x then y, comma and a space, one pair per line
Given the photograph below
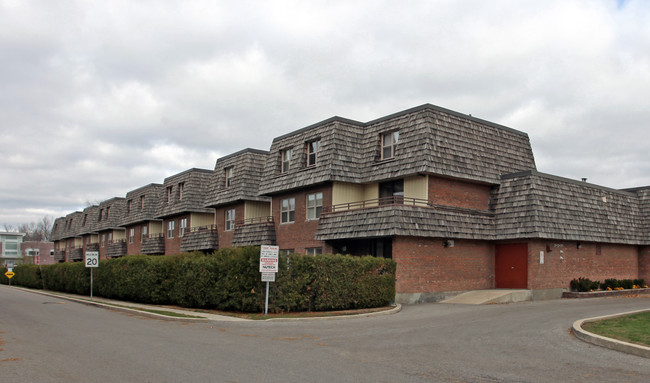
643, 193
111, 214
144, 204
536, 205
384, 221
58, 229
195, 188
247, 166
432, 140
89, 219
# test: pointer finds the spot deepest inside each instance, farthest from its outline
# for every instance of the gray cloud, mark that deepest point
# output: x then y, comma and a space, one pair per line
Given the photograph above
99, 98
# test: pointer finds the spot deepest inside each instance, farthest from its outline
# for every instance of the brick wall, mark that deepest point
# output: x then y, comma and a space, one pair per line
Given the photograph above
566, 261
299, 235
424, 265
225, 237
644, 263
443, 191
173, 245
136, 246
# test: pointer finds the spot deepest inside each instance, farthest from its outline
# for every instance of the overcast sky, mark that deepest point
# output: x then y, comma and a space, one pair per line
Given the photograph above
98, 98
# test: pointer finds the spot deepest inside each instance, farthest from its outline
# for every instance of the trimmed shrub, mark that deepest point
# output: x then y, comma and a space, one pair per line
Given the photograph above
584, 285
227, 280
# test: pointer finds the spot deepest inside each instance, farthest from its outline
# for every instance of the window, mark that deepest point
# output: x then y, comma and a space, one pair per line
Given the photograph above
170, 229
181, 186
313, 148
108, 212
101, 213
131, 235
183, 226
314, 205
230, 219
286, 160
141, 202
144, 232
129, 204
110, 237
285, 251
228, 175
388, 143
103, 240
170, 190
85, 218
314, 250
288, 210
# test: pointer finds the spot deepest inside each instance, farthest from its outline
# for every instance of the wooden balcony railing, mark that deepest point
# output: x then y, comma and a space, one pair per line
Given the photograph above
373, 203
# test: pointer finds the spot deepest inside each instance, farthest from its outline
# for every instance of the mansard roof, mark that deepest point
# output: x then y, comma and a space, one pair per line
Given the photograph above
195, 188
432, 140
144, 202
537, 205
89, 220
247, 172
111, 214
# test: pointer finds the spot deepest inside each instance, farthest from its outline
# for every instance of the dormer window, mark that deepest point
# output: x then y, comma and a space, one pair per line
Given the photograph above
228, 174
170, 190
101, 215
181, 186
286, 160
141, 202
129, 205
388, 142
313, 148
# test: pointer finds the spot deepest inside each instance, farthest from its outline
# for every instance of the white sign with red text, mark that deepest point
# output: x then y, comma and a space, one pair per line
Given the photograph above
269, 258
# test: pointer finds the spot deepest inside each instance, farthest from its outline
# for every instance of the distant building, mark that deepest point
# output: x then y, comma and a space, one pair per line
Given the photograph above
38, 253
10, 243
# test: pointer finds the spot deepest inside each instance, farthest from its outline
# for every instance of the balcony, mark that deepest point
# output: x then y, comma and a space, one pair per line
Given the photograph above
153, 244
76, 254
59, 255
402, 216
116, 249
202, 238
254, 232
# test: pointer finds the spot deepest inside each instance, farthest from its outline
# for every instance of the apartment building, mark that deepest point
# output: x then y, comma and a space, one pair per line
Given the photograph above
143, 230
455, 200
187, 224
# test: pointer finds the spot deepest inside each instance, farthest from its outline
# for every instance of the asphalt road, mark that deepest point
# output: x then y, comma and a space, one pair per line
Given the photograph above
44, 339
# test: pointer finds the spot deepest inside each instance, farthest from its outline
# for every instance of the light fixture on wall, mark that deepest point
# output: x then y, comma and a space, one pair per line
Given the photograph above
448, 243
579, 245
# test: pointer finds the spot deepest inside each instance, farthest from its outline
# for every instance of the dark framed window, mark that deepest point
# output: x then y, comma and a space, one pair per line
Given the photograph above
286, 160
388, 142
313, 148
288, 210
230, 219
314, 205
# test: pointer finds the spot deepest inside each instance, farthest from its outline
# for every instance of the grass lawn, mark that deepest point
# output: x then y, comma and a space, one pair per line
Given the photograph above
630, 328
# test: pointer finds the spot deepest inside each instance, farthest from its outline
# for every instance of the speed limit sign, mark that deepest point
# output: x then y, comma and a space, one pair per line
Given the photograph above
92, 258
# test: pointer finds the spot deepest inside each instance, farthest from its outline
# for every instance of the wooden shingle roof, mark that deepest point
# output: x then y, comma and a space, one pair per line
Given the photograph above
192, 199
247, 168
144, 204
432, 140
536, 205
111, 214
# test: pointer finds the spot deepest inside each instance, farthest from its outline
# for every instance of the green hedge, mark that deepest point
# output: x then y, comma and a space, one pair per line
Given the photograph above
226, 280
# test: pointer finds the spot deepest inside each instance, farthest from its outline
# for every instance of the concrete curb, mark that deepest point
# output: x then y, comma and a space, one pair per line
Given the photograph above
138, 309
610, 343
394, 310
131, 310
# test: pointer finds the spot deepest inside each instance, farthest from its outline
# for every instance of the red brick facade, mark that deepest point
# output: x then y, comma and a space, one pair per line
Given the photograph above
564, 261
173, 244
425, 265
225, 236
448, 192
299, 235
644, 263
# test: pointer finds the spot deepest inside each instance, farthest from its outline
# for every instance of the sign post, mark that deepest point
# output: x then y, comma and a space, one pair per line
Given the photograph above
92, 261
268, 268
10, 274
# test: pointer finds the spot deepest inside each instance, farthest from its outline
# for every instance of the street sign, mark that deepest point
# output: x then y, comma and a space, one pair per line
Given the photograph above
268, 277
92, 258
10, 274
269, 258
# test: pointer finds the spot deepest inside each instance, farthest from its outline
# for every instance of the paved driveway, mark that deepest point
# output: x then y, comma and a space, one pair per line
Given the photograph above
48, 340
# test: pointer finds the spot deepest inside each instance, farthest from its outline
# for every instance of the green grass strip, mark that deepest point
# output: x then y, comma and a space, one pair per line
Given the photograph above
633, 328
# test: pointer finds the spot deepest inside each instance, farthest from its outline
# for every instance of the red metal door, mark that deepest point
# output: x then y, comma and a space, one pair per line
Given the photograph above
511, 266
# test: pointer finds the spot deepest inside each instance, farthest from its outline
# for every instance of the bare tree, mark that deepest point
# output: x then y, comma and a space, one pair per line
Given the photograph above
39, 232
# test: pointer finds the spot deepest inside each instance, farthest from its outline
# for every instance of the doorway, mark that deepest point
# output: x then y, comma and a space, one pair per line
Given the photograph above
511, 266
